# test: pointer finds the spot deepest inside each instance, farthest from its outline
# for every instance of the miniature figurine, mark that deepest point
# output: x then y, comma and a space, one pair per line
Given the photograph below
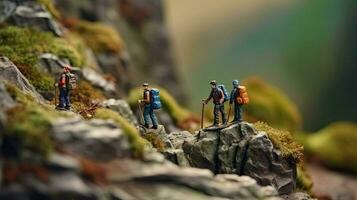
218, 100
151, 101
239, 97
65, 84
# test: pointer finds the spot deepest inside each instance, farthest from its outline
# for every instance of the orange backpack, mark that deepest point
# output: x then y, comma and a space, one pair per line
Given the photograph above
243, 97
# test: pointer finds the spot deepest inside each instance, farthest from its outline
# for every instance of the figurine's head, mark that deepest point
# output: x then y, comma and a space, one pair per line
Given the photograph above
235, 83
213, 84
67, 69
146, 86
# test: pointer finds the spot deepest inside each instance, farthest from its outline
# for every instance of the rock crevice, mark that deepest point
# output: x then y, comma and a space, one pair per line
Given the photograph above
240, 149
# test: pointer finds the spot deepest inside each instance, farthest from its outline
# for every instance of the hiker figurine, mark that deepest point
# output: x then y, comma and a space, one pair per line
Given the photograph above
239, 97
65, 84
151, 102
218, 96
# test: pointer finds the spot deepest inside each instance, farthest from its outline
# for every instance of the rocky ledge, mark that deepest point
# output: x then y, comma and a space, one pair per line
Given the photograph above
238, 149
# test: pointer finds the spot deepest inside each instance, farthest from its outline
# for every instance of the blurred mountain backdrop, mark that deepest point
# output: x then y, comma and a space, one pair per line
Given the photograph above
303, 47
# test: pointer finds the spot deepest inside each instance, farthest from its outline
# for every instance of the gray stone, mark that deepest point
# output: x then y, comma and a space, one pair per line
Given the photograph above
123, 108
98, 80
10, 73
34, 15
228, 147
298, 196
64, 185
92, 138
178, 138
240, 149
176, 156
202, 151
6, 102
6, 9
267, 165
63, 162
192, 183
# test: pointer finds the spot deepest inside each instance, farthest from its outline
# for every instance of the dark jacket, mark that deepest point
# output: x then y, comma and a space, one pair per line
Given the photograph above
234, 95
217, 95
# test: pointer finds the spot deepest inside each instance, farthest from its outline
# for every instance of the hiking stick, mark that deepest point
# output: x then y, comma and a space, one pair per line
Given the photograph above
55, 95
202, 112
229, 112
141, 113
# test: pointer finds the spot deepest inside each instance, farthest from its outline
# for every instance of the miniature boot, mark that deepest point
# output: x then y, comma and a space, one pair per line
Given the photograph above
147, 126
155, 127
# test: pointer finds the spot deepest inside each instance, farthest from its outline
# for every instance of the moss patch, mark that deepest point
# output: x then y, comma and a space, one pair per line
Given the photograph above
137, 143
335, 145
49, 5
270, 105
23, 46
100, 37
156, 141
303, 181
29, 124
283, 141
85, 94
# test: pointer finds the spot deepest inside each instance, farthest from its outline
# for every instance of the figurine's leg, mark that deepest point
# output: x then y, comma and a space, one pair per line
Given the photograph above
223, 113
153, 118
236, 112
61, 98
239, 113
67, 101
146, 116
216, 115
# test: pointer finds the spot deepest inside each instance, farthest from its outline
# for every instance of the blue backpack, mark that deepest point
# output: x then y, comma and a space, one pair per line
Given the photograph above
155, 101
226, 95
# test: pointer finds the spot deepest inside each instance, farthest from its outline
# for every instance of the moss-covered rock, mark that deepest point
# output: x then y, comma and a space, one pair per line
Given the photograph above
100, 37
335, 145
23, 46
86, 95
49, 5
28, 124
137, 143
269, 104
283, 141
183, 118
303, 181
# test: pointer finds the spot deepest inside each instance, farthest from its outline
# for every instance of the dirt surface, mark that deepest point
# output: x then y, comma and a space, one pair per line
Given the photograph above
336, 185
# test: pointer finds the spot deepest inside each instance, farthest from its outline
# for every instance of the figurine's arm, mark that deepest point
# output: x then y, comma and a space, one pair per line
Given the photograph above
231, 99
208, 98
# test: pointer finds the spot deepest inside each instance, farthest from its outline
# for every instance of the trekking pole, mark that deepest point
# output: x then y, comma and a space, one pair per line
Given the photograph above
55, 95
229, 112
202, 113
141, 113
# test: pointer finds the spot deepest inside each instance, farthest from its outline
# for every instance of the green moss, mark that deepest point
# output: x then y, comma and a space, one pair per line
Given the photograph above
23, 46
99, 37
303, 181
137, 143
156, 141
85, 95
283, 141
29, 122
270, 105
51, 8
335, 145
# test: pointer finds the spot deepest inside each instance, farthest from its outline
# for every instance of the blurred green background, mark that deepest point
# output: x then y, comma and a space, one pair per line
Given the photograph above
304, 47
